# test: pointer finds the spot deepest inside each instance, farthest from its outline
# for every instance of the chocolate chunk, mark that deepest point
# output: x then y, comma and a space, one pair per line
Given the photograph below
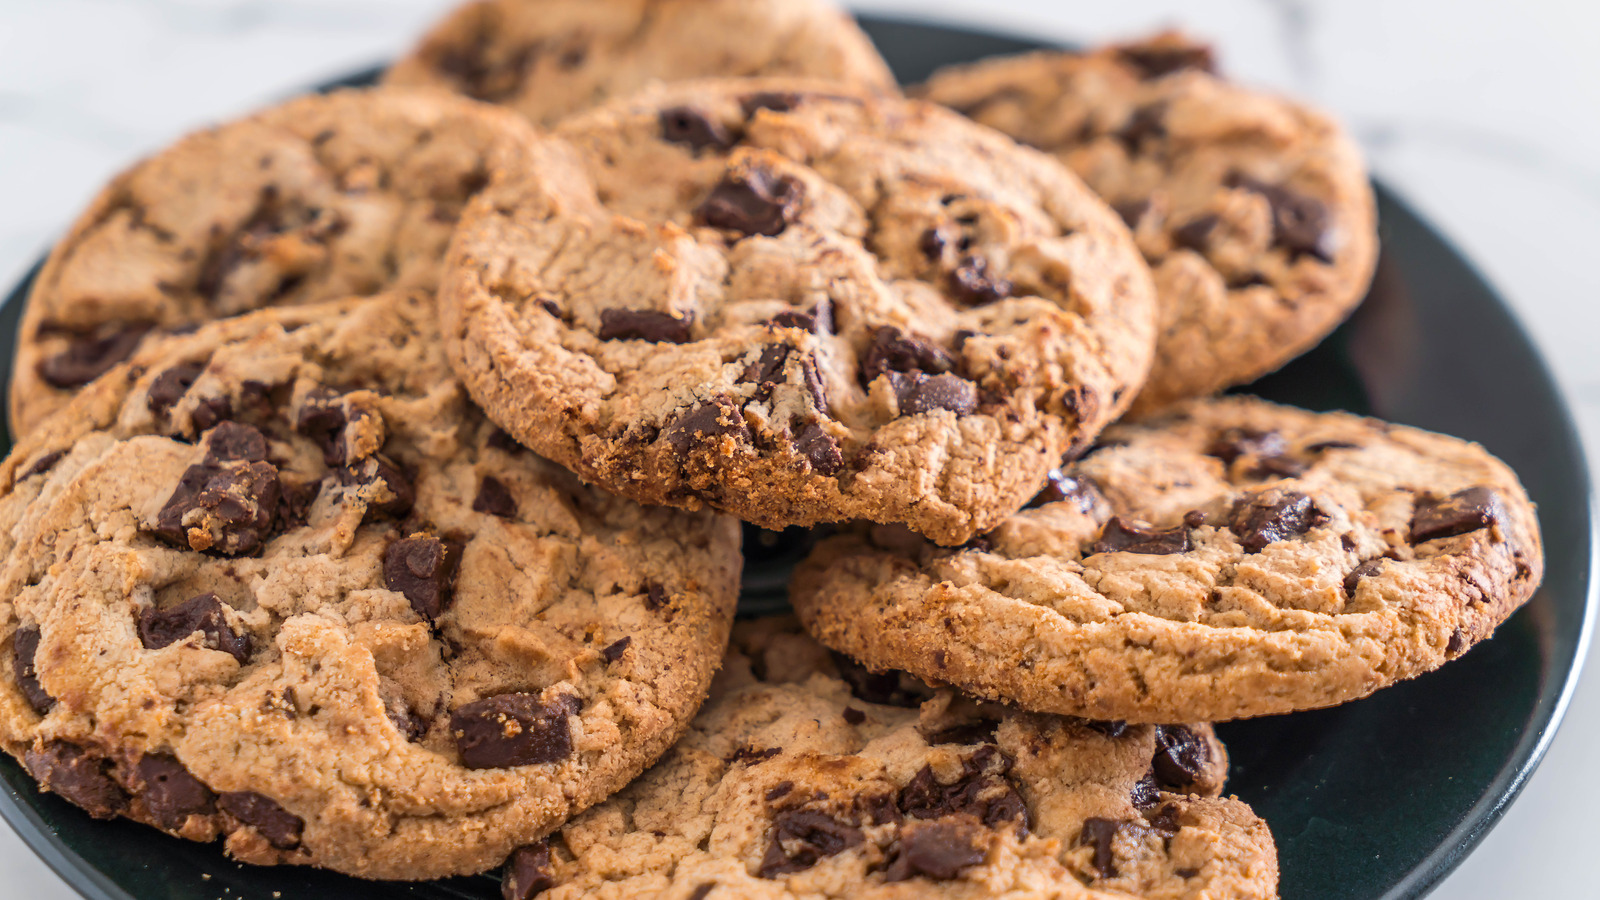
893, 350
690, 127
614, 651
1155, 60
752, 755
1460, 513
211, 411
1113, 728
979, 732
423, 568
203, 613
644, 325
1271, 516
405, 720
226, 508
974, 285
24, 649
513, 730
1236, 443
1300, 222
495, 499
1181, 759
820, 449
89, 357
1060, 487
280, 827
1195, 234
1165, 819
854, 716
1325, 446
932, 244
1146, 124
801, 838
323, 419
755, 202
78, 775
700, 891
814, 385
1145, 793
501, 440
704, 424
43, 464
233, 442
880, 809
791, 319
982, 791
1365, 570
1101, 834
170, 386
170, 792
655, 596
528, 872
767, 371
937, 850
389, 490
779, 790
1456, 644
1126, 537
777, 101
1194, 518
891, 688
918, 393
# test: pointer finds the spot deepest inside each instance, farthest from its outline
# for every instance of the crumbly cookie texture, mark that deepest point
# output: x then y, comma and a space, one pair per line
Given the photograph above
798, 303
279, 582
319, 199
1232, 558
550, 58
807, 776
1253, 210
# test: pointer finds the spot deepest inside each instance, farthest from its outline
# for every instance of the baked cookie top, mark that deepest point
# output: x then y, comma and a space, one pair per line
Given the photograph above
807, 776
1253, 210
798, 303
319, 199
550, 58
1232, 558
279, 582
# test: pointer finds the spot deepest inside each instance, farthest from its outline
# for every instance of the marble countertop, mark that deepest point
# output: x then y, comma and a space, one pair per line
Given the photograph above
1480, 113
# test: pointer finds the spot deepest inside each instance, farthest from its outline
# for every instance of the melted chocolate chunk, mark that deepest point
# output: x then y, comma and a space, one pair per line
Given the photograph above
513, 730
43, 464
1060, 487
614, 651
170, 792
1195, 234
76, 774
801, 838
170, 386
394, 498
820, 449
280, 827
528, 872
755, 202
1145, 793
24, 648
1300, 222
495, 499
1158, 59
1272, 516
1181, 759
1365, 570
979, 732
227, 508
644, 325
423, 568
1125, 537
891, 688
89, 357
918, 393
982, 792
705, 423
690, 127
937, 850
974, 285
1101, 834
767, 371
1460, 513
893, 350
203, 613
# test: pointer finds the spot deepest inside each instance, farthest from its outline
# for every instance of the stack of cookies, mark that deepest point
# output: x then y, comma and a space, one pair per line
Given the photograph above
382, 458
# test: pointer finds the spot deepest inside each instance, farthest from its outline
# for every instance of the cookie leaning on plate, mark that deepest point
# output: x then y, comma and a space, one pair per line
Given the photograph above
798, 303
1254, 210
1234, 558
318, 199
278, 581
806, 776
550, 58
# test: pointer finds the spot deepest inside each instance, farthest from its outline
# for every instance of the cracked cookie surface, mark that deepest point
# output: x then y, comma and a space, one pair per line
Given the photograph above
318, 199
1231, 558
807, 776
550, 58
1253, 210
280, 582
798, 303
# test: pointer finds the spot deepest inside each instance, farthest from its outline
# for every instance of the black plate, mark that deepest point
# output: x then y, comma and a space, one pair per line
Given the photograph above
1375, 799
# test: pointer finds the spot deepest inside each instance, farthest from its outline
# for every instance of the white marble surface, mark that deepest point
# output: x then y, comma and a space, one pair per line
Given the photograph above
1481, 113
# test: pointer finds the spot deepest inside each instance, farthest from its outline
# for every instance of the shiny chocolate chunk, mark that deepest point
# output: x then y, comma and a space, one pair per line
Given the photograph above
1300, 223
510, 730
1078, 489
1460, 513
917, 393
528, 872
1181, 759
1126, 537
893, 350
982, 791
1101, 834
170, 792
613, 651
1271, 516
222, 507
423, 568
644, 325
974, 285
78, 775
24, 648
801, 838
1366, 570
713, 419
690, 127
752, 203
201, 613
280, 827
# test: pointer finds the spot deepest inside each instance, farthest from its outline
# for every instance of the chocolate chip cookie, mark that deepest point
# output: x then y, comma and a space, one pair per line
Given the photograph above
798, 303
550, 58
279, 582
318, 199
807, 776
1254, 210
1232, 558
